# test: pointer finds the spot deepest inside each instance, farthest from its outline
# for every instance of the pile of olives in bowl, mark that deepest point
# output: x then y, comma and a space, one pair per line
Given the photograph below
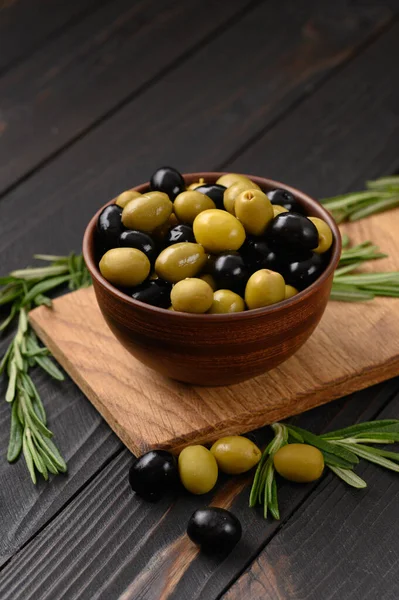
212, 248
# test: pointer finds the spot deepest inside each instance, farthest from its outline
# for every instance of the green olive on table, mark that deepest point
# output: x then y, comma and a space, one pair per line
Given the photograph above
325, 235
179, 261
189, 204
126, 267
277, 209
290, 291
232, 192
264, 288
218, 231
191, 295
146, 213
254, 210
198, 469
235, 454
125, 197
226, 301
299, 462
229, 179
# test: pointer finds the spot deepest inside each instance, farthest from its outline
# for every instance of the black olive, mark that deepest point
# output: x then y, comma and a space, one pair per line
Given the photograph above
214, 191
169, 181
286, 199
109, 227
214, 530
140, 240
156, 293
290, 232
302, 271
179, 233
154, 474
254, 252
230, 272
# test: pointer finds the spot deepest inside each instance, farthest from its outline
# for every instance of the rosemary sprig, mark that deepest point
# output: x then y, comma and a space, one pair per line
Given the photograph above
22, 289
341, 450
381, 195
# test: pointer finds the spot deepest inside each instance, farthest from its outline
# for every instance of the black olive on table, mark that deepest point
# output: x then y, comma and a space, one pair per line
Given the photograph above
215, 191
291, 232
169, 181
230, 272
215, 530
109, 227
284, 198
154, 474
156, 293
302, 271
179, 233
140, 240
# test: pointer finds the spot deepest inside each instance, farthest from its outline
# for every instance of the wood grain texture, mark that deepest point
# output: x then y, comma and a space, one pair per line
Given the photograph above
81, 76
340, 545
26, 24
108, 543
146, 410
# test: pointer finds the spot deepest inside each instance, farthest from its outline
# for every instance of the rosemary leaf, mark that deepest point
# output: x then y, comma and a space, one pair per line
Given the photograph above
349, 477
366, 426
15, 441
363, 452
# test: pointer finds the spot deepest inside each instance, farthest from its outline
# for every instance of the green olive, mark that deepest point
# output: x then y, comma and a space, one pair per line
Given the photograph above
198, 469
299, 462
229, 178
188, 205
264, 287
232, 192
126, 267
235, 454
290, 291
254, 209
325, 235
191, 295
179, 261
125, 197
160, 232
196, 184
226, 301
146, 213
218, 231
277, 209
209, 280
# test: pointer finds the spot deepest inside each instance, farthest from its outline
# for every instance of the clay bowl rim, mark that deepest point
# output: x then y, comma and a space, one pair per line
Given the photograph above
210, 177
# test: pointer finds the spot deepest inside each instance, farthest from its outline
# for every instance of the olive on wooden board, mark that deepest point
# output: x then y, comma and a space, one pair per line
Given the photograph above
285, 199
301, 463
230, 272
140, 240
109, 226
291, 232
215, 530
179, 233
169, 181
156, 293
214, 191
154, 474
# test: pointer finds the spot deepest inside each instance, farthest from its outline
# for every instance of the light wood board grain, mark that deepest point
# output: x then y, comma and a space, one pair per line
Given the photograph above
355, 346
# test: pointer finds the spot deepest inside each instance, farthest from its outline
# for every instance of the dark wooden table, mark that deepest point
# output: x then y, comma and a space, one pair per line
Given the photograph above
93, 96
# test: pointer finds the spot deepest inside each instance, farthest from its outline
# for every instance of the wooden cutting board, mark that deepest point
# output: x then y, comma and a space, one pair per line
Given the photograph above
355, 346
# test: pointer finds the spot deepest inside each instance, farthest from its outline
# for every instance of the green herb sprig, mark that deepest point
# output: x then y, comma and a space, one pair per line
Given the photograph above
341, 450
352, 286
21, 290
380, 195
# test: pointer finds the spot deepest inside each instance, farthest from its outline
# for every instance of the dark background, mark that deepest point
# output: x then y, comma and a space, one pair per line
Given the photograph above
94, 95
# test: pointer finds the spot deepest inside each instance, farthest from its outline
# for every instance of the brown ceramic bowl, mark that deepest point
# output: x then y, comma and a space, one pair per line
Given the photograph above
215, 349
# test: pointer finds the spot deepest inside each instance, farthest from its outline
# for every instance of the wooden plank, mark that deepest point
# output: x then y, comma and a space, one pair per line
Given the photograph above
26, 25
107, 543
147, 410
80, 77
340, 544
48, 213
